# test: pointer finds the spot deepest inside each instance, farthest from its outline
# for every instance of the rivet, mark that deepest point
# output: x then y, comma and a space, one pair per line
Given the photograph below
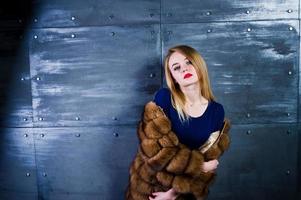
248, 132
115, 134
38, 78
169, 14
288, 172
152, 32
41, 118
152, 75
77, 118
22, 79
77, 135
209, 31
20, 21
44, 174
72, 18
288, 114
42, 135
248, 115
111, 16
288, 132
24, 119
35, 20
112, 33
249, 29
248, 12
291, 28
151, 15
114, 118
72, 35
35, 37
289, 72
289, 11
208, 13
27, 174
169, 32
25, 135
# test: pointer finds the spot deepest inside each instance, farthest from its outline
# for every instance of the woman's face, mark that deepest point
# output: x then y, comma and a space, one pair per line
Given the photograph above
182, 69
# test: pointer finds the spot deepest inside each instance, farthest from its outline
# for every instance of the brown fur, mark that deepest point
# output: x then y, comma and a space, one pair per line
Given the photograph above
161, 159
194, 168
181, 184
163, 162
165, 178
150, 147
165, 141
179, 162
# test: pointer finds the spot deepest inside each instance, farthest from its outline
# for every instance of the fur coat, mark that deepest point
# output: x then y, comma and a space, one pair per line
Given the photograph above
162, 162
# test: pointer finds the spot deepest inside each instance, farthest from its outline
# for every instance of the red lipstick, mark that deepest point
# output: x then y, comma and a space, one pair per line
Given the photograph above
187, 75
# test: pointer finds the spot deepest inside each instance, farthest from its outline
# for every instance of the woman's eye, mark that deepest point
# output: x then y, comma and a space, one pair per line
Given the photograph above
176, 68
188, 62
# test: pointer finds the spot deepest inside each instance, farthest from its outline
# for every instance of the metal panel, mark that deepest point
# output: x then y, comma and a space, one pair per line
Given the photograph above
8, 195
84, 162
93, 76
299, 86
253, 66
187, 11
15, 13
15, 88
258, 164
17, 164
62, 13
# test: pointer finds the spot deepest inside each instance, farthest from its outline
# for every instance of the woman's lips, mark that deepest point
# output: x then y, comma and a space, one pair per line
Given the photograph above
187, 75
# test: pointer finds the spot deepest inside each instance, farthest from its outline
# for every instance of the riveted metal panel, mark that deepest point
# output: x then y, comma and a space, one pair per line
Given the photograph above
84, 161
261, 163
253, 66
15, 13
93, 76
15, 88
187, 11
17, 164
62, 13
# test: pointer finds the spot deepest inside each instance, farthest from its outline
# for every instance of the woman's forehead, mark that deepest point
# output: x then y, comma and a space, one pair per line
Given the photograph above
175, 57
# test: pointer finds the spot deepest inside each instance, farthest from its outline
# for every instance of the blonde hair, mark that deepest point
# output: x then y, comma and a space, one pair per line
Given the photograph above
177, 96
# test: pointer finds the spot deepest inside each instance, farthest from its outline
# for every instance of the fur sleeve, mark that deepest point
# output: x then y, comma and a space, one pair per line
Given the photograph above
161, 146
158, 143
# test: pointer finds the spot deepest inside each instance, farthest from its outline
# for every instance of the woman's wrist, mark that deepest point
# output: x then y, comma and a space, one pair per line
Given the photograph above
173, 192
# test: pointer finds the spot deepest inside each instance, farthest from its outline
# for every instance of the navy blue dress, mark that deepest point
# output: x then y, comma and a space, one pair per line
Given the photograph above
195, 132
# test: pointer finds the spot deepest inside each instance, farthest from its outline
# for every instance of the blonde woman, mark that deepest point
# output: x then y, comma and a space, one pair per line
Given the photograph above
189, 104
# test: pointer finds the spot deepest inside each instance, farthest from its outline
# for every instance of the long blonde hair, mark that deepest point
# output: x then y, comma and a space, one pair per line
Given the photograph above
177, 96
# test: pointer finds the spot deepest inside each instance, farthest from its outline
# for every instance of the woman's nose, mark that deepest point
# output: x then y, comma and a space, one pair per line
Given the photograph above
185, 68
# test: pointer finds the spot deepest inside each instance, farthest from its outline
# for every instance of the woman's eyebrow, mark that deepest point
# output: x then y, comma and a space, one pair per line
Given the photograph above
174, 64
178, 63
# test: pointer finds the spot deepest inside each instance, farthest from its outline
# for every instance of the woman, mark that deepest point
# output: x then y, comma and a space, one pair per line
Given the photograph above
189, 105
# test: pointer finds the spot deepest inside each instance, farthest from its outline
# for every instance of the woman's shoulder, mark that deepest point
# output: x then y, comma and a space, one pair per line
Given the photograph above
218, 107
162, 93
162, 98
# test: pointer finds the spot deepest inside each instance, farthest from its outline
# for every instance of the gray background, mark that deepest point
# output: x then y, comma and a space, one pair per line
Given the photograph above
75, 75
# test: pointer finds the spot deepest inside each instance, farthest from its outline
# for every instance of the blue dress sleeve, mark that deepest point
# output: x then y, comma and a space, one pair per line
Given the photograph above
219, 116
162, 99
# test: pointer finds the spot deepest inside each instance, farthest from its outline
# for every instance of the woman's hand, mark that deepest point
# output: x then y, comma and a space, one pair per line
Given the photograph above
211, 165
169, 195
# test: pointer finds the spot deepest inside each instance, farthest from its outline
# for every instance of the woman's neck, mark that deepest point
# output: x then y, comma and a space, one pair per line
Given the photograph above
192, 95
